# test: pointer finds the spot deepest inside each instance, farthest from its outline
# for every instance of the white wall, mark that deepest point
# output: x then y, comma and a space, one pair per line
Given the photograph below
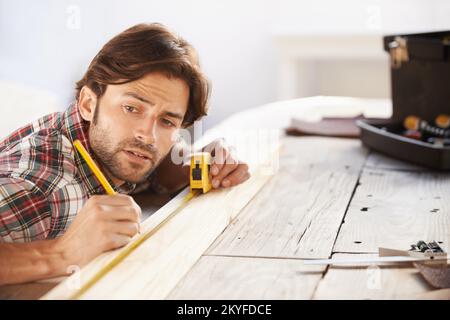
49, 43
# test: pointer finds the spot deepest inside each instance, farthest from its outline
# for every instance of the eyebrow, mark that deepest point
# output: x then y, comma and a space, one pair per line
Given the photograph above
138, 97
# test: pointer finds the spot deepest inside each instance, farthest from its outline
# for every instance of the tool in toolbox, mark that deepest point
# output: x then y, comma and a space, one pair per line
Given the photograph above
429, 252
199, 183
415, 123
442, 121
398, 50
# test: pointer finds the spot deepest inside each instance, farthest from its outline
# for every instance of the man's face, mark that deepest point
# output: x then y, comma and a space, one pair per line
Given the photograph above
134, 124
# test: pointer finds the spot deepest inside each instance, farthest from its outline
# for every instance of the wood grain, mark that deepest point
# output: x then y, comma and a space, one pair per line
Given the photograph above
298, 213
248, 278
378, 161
395, 209
372, 282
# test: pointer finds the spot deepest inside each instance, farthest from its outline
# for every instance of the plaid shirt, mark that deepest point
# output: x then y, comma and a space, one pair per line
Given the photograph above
43, 181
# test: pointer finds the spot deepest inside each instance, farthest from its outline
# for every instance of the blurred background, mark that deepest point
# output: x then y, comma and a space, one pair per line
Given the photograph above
253, 51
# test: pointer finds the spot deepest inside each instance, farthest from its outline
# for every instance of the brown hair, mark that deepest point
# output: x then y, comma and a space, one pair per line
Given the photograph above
146, 48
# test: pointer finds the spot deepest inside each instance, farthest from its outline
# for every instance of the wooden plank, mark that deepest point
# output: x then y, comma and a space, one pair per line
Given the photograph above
298, 213
372, 282
154, 268
376, 160
215, 277
395, 209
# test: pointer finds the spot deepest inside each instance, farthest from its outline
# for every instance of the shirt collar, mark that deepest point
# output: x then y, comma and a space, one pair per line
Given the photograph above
77, 128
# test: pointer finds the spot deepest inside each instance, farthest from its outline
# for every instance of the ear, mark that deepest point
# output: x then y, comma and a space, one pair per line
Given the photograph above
87, 102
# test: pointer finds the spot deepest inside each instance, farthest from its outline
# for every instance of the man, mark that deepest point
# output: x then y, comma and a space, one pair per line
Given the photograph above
142, 87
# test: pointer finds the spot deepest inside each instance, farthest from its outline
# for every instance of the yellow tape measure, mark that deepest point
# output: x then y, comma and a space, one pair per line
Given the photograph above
199, 182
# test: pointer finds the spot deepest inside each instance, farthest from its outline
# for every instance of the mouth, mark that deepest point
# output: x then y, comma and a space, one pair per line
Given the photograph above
138, 156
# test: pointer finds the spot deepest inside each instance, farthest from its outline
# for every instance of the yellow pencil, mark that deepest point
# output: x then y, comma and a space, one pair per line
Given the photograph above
95, 169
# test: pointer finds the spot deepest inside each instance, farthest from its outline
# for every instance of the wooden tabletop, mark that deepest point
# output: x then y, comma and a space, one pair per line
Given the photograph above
330, 197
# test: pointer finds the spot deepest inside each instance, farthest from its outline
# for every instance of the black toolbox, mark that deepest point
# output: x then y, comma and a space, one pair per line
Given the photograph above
420, 86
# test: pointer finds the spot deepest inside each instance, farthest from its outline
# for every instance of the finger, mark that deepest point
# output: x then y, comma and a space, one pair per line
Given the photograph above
113, 200
117, 240
214, 146
238, 176
225, 171
219, 158
126, 228
127, 213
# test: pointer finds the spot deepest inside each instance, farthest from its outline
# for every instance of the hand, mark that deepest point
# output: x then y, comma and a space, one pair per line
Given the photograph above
104, 223
226, 170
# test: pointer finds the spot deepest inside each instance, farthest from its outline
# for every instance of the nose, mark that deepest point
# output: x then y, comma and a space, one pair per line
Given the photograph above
145, 132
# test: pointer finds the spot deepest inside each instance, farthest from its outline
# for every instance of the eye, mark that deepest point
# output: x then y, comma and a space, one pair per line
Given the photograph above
168, 123
130, 109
